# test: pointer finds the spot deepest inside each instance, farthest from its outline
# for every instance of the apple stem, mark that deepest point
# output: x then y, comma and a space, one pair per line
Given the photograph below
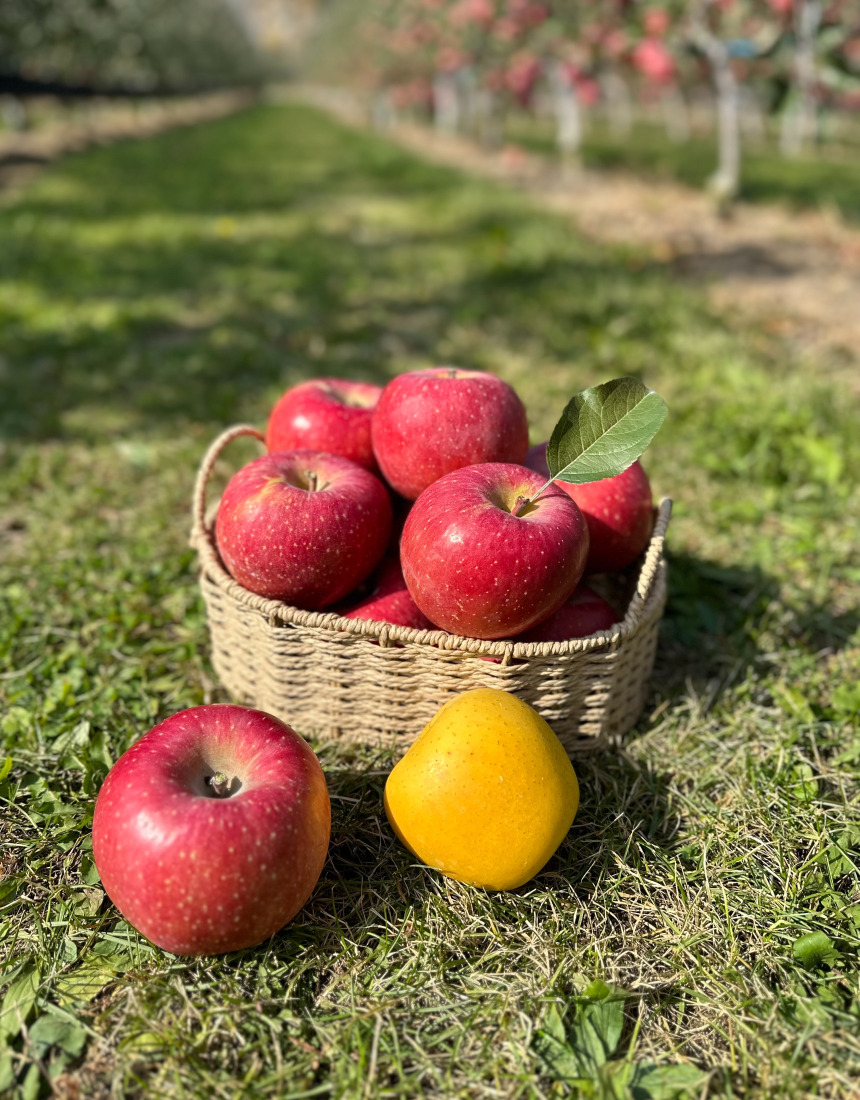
220, 784
524, 503
313, 481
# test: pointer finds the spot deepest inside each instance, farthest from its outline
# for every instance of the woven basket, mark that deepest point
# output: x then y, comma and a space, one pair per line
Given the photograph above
374, 683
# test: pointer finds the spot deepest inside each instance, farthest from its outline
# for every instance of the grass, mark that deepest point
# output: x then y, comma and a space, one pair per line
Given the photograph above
819, 179
151, 293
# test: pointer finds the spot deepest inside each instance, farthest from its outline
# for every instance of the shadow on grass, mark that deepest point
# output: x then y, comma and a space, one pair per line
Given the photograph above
714, 616
185, 278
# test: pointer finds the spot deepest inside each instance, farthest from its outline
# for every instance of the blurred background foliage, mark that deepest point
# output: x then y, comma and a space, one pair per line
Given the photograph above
145, 46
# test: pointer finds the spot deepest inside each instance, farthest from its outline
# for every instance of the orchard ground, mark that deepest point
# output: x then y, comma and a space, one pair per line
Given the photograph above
153, 292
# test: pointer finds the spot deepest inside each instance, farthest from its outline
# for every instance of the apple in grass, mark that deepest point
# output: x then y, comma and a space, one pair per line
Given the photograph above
326, 414
210, 833
303, 527
430, 422
485, 556
619, 512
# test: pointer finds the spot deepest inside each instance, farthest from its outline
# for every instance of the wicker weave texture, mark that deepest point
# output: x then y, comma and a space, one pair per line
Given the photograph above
371, 682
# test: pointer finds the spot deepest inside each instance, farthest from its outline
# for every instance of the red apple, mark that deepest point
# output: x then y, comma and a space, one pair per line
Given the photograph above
430, 422
584, 613
388, 600
303, 527
618, 510
476, 568
210, 833
326, 414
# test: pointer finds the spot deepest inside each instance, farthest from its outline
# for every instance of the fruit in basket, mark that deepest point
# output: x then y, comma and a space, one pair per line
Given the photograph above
430, 422
584, 613
388, 600
619, 512
486, 793
210, 833
325, 414
476, 567
303, 527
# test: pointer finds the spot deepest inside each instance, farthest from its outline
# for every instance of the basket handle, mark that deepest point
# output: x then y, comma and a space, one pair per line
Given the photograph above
198, 513
651, 564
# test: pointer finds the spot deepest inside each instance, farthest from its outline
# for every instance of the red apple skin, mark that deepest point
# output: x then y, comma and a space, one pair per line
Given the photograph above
389, 601
476, 569
308, 548
326, 414
430, 422
584, 613
619, 512
198, 874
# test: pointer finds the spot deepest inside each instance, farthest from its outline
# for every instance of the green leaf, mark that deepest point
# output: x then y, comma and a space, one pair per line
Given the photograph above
76, 738
814, 950
597, 1028
551, 1047
5, 768
54, 1031
89, 874
839, 857
32, 1083
653, 1082
579, 1052
19, 1000
7, 1073
845, 699
81, 985
603, 430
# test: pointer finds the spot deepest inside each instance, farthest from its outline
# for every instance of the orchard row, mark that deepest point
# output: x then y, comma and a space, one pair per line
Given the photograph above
470, 61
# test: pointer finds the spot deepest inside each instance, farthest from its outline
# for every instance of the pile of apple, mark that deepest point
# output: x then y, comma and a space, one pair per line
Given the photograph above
421, 504
210, 832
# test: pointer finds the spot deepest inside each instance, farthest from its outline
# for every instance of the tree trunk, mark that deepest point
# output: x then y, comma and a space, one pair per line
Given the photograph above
751, 116
675, 115
618, 106
467, 83
489, 119
800, 118
568, 115
382, 112
725, 182
446, 103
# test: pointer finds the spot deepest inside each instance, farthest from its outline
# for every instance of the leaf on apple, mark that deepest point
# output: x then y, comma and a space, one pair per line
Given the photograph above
603, 430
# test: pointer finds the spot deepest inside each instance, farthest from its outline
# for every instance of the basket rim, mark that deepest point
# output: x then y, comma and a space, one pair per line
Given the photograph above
645, 605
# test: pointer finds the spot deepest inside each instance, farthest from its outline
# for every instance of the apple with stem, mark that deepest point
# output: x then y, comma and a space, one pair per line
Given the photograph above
326, 414
489, 551
430, 422
210, 832
619, 512
303, 527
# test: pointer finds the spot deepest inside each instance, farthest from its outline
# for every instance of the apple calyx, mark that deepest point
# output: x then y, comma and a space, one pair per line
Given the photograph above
220, 784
